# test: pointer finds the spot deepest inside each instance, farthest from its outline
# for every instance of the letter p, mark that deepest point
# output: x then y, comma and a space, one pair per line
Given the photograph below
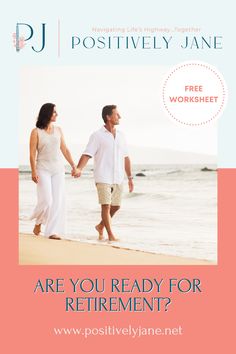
75, 41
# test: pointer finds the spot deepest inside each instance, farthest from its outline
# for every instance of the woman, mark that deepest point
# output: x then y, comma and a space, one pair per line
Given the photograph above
46, 148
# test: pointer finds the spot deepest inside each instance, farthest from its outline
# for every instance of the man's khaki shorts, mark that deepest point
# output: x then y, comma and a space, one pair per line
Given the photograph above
109, 193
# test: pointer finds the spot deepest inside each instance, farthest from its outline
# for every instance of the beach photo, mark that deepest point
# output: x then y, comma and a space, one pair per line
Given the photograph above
167, 211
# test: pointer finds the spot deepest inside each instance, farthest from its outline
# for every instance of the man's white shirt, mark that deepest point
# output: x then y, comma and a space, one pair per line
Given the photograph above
109, 156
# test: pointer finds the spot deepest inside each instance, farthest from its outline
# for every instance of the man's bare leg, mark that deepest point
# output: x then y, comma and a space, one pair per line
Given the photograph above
100, 226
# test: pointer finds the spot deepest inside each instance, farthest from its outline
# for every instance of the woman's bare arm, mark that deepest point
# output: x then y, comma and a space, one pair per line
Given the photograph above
33, 151
66, 152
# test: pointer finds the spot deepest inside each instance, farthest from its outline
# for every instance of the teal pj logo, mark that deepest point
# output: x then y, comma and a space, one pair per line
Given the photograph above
25, 33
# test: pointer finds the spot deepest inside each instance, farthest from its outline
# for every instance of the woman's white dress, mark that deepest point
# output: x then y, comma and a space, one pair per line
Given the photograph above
50, 208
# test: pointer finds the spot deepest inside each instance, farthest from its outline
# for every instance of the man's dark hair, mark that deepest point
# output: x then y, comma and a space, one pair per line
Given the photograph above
107, 111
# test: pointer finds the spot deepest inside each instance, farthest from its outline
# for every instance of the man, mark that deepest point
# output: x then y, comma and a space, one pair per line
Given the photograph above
109, 149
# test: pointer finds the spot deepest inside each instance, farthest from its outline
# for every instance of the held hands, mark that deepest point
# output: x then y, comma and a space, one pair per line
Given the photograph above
75, 172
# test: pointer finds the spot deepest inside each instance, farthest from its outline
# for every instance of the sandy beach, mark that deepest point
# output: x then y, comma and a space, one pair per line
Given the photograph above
35, 250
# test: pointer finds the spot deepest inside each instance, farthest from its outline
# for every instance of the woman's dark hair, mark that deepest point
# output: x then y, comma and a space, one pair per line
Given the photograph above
107, 111
45, 114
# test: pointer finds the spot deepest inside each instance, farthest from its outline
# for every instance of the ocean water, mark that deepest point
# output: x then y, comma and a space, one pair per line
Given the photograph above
172, 211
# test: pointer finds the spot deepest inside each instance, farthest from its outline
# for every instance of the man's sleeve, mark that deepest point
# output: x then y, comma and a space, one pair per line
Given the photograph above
126, 151
92, 146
